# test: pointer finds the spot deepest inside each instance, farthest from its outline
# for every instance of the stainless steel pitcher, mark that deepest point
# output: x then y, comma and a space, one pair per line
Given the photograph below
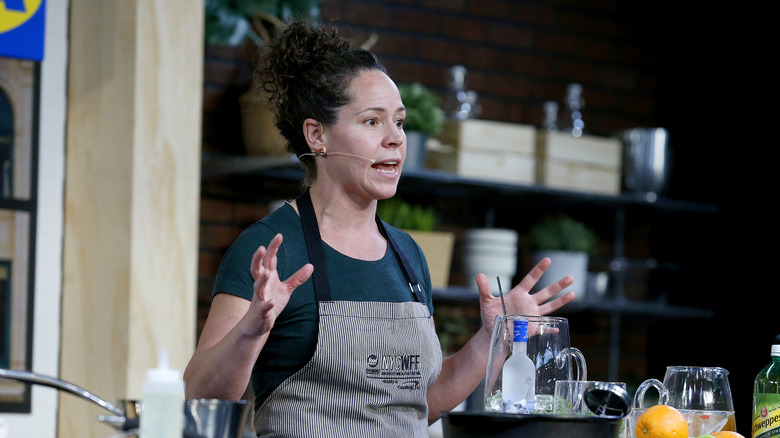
645, 161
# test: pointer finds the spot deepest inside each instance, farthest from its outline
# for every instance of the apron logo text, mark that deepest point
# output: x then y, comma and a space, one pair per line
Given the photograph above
405, 363
410, 385
402, 371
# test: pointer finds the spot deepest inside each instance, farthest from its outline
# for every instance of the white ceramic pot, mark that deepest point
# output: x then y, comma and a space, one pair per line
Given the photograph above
491, 237
492, 252
491, 264
565, 263
507, 251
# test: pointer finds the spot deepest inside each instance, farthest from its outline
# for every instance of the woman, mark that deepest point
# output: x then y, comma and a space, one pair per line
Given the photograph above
325, 308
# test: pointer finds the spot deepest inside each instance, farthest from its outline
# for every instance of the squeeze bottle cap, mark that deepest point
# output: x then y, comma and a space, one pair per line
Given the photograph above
163, 372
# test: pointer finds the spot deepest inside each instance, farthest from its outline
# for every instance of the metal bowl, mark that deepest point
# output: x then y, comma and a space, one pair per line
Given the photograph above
212, 418
645, 160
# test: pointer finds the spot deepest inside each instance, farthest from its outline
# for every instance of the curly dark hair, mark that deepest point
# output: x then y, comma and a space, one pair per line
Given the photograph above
305, 73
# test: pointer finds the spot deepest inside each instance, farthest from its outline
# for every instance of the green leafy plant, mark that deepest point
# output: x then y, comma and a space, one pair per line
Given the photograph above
562, 233
229, 22
422, 109
403, 215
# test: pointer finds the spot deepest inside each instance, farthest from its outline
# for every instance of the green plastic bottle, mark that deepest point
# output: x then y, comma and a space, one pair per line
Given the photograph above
766, 397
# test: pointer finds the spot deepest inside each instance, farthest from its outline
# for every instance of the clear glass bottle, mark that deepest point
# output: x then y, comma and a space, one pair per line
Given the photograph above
458, 103
550, 122
766, 397
518, 385
574, 105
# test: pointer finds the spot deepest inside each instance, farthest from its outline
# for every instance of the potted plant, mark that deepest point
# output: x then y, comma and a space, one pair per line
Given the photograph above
568, 243
420, 223
424, 118
233, 22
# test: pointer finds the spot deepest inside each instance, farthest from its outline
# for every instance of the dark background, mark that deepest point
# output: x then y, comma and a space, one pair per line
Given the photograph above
714, 94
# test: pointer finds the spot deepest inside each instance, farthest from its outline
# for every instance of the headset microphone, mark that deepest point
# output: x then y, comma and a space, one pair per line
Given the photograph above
326, 154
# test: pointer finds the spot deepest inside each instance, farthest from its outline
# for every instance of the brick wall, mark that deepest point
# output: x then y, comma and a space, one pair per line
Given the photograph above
518, 54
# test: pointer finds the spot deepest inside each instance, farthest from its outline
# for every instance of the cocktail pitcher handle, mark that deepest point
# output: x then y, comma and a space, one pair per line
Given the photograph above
579, 362
639, 397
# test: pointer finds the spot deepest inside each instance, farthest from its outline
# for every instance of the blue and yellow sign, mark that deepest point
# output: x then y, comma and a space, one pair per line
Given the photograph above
22, 24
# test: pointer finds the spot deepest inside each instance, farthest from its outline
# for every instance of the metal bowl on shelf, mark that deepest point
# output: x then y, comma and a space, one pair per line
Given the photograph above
645, 161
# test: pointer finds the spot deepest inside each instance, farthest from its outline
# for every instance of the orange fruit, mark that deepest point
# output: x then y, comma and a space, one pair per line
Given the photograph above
661, 421
727, 434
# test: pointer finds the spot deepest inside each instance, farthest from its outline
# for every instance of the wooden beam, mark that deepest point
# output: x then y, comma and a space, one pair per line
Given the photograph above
131, 198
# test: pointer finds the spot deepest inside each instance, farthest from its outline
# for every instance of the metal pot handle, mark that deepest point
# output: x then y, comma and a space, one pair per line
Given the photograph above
53, 382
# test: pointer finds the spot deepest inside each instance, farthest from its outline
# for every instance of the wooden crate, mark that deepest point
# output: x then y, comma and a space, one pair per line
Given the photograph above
487, 165
586, 163
487, 150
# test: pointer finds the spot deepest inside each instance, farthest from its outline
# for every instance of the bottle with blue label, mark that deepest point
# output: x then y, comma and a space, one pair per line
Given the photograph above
519, 373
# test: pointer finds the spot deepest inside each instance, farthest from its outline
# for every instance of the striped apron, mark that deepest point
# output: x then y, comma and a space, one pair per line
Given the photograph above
371, 368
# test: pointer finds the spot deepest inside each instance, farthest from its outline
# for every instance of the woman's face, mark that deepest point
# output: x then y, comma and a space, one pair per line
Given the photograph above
371, 126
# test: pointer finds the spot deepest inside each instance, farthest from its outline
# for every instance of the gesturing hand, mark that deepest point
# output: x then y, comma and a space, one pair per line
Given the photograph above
271, 294
520, 300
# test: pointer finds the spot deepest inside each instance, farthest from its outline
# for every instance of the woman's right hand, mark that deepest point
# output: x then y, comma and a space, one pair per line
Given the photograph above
236, 330
271, 295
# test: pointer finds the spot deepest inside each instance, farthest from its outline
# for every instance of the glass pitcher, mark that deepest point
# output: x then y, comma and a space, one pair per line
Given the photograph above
549, 348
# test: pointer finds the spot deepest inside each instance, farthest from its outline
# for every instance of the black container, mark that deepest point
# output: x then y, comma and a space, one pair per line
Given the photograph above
486, 424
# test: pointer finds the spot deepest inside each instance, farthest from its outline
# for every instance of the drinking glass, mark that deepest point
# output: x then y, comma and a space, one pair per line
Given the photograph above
551, 352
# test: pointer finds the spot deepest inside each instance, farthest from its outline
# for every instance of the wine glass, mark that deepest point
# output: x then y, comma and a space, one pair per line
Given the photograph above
703, 395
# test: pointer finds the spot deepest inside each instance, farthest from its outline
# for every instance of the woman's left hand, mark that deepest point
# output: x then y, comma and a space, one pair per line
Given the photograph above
520, 300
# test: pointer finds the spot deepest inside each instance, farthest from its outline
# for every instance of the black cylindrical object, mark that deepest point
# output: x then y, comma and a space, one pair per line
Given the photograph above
500, 425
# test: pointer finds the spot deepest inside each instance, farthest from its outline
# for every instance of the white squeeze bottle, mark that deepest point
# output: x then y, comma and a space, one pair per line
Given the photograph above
163, 401
519, 374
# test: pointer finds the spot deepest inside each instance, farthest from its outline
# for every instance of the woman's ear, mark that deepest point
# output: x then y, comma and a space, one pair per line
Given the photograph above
313, 132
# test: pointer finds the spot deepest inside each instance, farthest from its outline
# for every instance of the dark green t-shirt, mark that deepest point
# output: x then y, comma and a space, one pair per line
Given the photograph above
293, 339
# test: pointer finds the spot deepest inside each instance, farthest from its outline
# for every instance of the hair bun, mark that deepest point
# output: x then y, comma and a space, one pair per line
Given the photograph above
305, 74
306, 44
297, 53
